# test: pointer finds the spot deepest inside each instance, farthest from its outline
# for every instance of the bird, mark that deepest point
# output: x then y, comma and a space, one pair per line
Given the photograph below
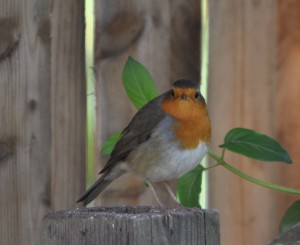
165, 139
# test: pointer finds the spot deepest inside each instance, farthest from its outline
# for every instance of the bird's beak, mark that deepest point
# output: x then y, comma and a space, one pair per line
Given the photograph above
184, 97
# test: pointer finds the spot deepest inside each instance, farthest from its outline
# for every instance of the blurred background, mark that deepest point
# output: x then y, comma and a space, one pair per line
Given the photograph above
61, 97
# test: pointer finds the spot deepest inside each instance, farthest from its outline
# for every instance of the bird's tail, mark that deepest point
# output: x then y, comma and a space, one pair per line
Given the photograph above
99, 186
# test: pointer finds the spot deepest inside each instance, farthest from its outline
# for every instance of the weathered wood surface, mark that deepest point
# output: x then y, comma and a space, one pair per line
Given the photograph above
243, 92
288, 96
68, 103
132, 225
41, 67
290, 237
25, 119
164, 36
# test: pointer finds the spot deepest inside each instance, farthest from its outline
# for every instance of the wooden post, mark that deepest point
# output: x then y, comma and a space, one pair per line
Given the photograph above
290, 237
132, 225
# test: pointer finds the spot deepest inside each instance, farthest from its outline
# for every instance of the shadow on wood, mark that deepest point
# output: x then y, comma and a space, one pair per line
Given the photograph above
132, 225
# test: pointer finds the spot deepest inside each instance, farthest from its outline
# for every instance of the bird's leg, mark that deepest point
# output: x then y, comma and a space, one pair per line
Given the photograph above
168, 188
155, 195
162, 208
174, 198
179, 205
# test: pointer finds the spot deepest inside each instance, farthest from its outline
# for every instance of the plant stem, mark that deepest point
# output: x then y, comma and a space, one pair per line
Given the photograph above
223, 154
212, 166
220, 161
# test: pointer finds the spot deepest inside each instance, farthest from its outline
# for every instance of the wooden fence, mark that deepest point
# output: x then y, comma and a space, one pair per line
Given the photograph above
42, 98
253, 82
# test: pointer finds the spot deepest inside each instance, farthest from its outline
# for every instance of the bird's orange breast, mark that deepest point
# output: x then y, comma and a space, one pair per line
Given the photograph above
192, 124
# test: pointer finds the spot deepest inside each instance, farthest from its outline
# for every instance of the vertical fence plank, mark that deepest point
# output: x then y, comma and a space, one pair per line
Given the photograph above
25, 119
288, 90
157, 34
242, 84
68, 103
25, 130
184, 54
118, 27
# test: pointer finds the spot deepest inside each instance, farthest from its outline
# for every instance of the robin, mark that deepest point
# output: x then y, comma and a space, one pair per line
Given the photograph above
165, 139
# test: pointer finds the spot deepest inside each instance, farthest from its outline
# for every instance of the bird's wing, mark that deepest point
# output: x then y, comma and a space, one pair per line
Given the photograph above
137, 131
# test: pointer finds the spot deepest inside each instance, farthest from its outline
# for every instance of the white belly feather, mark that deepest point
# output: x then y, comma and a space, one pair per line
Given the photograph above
162, 156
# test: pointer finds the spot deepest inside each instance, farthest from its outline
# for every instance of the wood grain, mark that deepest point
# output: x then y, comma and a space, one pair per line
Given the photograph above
288, 92
290, 237
242, 93
25, 120
68, 104
132, 225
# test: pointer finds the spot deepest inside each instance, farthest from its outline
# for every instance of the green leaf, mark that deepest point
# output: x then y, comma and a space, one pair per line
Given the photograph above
110, 144
291, 217
138, 83
271, 186
255, 145
189, 187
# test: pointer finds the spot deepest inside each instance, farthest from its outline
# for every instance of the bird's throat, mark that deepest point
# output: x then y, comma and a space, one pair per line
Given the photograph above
191, 133
192, 124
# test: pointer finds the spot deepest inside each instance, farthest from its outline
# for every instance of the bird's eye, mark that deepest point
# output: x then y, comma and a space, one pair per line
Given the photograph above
172, 94
197, 95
